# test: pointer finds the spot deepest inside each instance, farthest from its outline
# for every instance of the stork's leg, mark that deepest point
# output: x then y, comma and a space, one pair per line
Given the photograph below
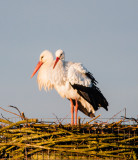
76, 111
72, 112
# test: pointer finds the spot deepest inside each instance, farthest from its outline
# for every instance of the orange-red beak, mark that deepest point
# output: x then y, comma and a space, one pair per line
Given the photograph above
36, 68
56, 61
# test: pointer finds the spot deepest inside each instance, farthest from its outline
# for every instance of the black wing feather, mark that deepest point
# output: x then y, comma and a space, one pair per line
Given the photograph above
92, 94
90, 75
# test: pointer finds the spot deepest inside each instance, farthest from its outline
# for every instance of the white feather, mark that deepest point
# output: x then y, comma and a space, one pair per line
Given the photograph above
77, 75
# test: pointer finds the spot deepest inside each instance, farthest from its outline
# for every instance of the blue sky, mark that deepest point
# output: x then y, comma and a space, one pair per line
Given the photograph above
103, 35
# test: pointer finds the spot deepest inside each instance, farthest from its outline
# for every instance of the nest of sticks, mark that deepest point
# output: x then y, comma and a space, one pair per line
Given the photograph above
31, 138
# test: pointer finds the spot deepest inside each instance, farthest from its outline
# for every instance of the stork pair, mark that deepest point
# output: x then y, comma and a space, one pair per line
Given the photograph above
72, 81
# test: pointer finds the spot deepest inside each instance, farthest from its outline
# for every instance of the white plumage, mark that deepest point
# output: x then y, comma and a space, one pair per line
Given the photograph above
44, 77
76, 75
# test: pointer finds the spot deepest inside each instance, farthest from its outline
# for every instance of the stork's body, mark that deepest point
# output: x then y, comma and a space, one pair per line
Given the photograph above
71, 80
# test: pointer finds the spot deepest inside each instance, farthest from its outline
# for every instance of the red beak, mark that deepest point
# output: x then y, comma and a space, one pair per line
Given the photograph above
56, 61
36, 68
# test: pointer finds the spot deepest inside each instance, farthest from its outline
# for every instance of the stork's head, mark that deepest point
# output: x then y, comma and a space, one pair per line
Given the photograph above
60, 55
45, 57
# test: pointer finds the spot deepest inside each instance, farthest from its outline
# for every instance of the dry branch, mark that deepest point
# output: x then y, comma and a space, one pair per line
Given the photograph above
5, 121
18, 123
10, 112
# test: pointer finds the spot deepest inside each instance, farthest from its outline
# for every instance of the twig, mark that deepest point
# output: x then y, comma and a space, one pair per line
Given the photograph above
23, 116
133, 119
5, 121
10, 112
18, 123
56, 118
64, 118
5, 118
83, 120
94, 119
16, 109
114, 116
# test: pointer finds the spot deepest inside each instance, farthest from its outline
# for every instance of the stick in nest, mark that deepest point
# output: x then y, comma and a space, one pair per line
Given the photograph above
11, 112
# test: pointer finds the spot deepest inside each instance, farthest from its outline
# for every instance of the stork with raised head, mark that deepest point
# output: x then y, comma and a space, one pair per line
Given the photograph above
80, 87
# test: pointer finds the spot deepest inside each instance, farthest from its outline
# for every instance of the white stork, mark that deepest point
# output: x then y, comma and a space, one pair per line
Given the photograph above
62, 79
80, 87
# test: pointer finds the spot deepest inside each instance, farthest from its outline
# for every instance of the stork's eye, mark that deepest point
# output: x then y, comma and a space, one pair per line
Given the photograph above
42, 57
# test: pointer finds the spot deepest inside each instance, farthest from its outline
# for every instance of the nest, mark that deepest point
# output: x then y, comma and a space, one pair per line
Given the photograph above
34, 139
